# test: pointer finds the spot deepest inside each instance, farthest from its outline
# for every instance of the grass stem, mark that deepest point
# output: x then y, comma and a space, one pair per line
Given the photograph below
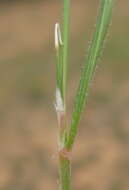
65, 173
64, 162
65, 32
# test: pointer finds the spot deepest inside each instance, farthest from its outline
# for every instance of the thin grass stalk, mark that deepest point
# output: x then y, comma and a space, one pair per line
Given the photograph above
64, 160
61, 44
64, 173
65, 32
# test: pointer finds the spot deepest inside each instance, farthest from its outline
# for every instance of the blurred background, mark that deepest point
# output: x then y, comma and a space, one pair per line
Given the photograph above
28, 128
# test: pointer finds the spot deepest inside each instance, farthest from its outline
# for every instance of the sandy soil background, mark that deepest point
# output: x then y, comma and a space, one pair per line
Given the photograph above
28, 128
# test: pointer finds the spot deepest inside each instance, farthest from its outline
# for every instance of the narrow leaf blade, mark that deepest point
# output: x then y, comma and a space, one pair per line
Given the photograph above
94, 53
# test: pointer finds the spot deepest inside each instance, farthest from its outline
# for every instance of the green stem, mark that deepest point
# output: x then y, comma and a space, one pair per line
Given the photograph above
65, 173
64, 162
65, 43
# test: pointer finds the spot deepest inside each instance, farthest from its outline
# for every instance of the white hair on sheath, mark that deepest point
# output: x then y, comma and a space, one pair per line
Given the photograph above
59, 105
58, 40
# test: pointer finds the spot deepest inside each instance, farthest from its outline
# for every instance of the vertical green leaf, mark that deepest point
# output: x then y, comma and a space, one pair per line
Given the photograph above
94, 53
